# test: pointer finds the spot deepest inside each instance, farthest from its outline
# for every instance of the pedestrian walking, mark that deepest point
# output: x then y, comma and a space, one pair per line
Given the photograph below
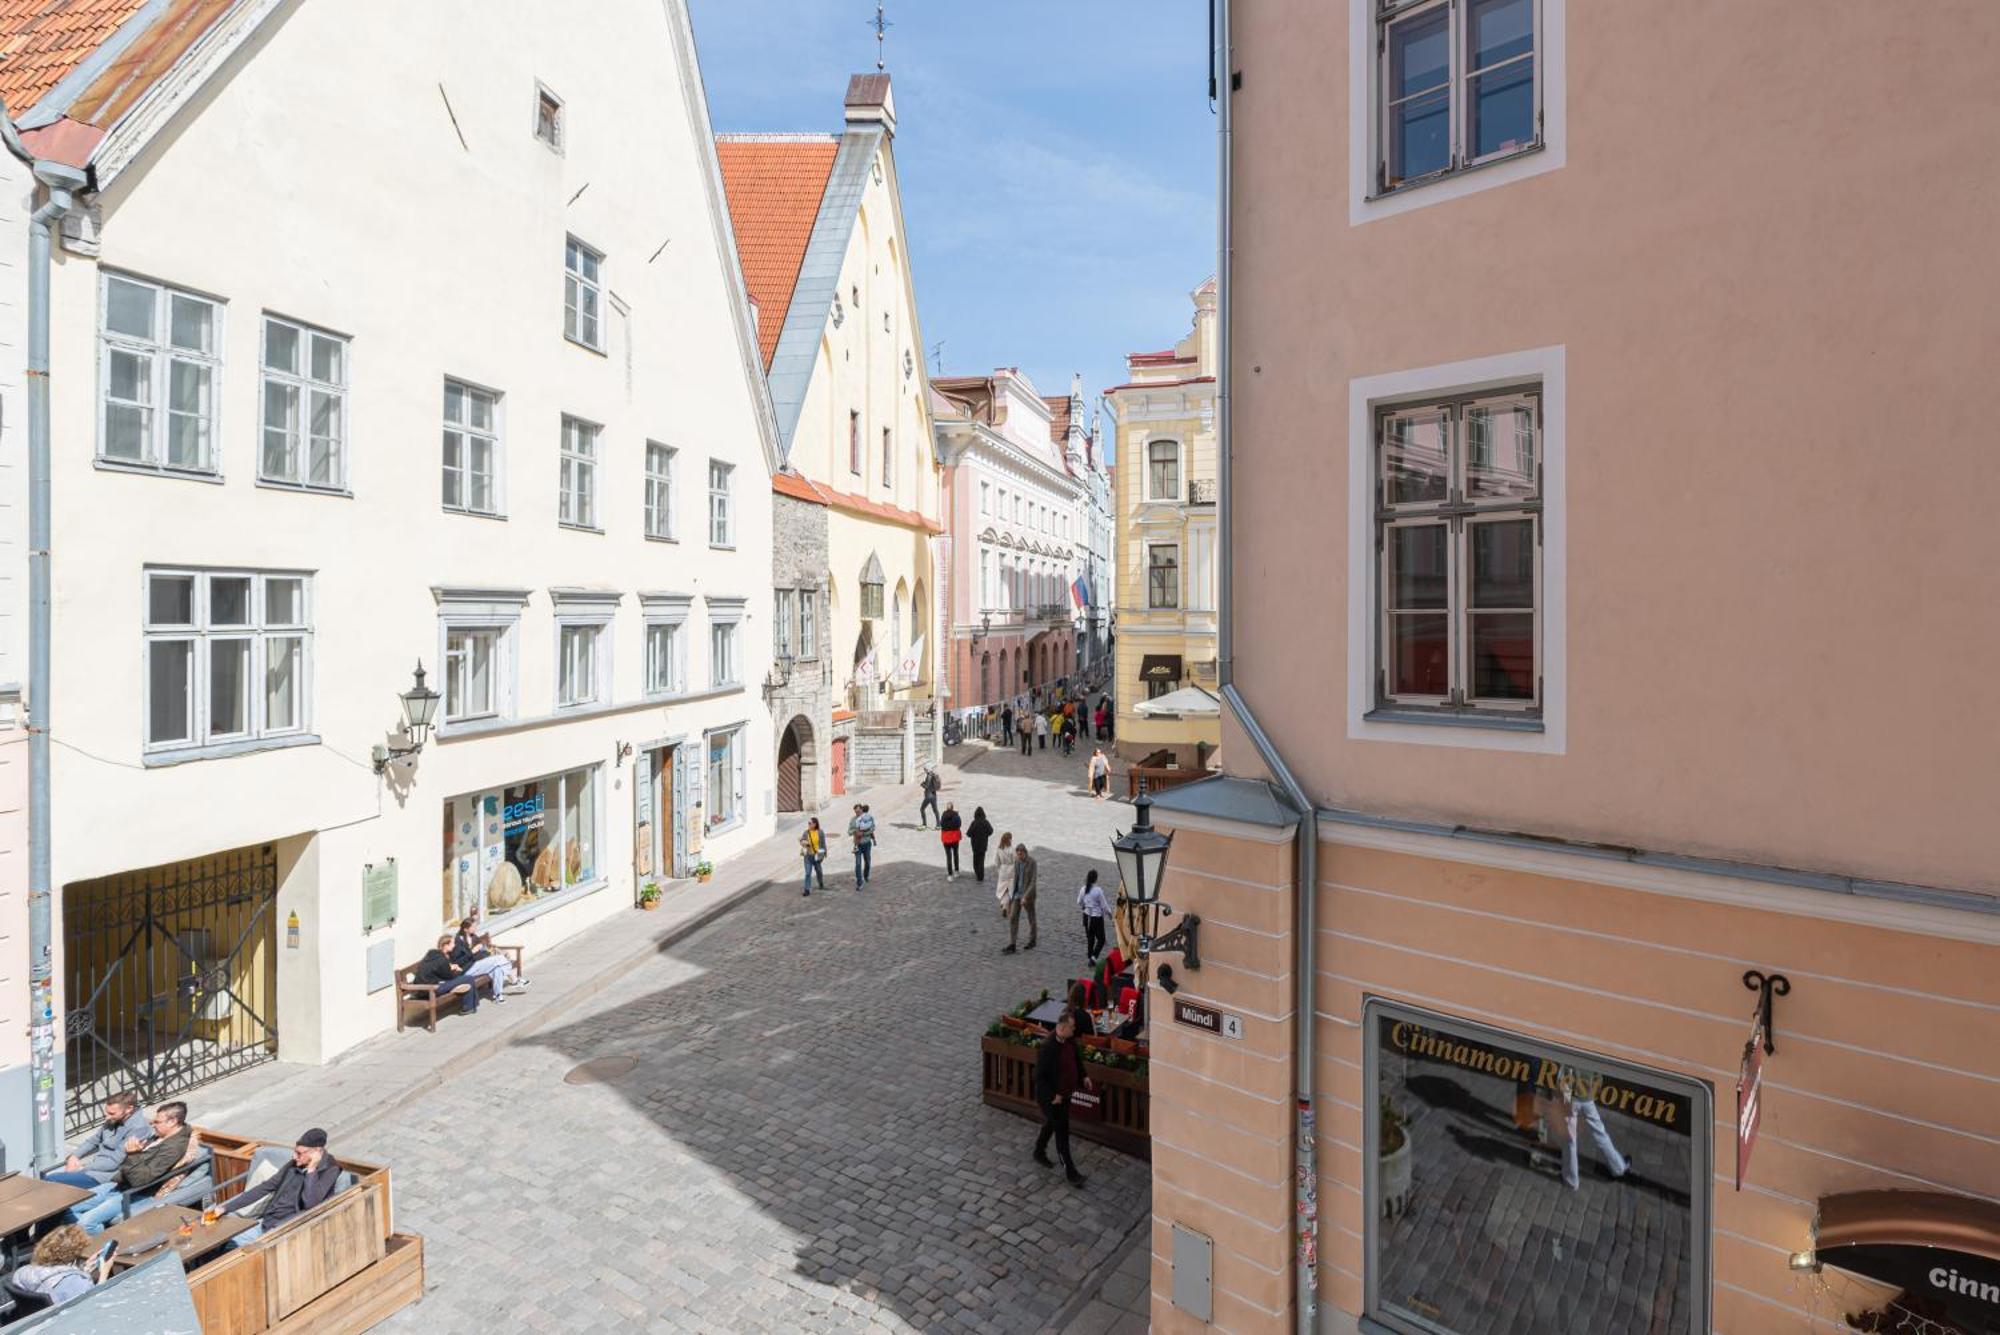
1100, 774
979, 834
1096, 908
1007, 722
930, 785
862, 831
1058, 1076
1026, 728
1579, 1104
1041, 730
1021, 899
1069, 735
1003, 874
950, 827
812, 849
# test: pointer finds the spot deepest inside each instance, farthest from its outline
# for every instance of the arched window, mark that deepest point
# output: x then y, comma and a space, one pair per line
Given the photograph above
871, 589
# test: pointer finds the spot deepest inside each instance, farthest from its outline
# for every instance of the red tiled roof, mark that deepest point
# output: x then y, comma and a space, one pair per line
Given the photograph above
41, 41
861, 505
791, 484
774, 183
1059, 415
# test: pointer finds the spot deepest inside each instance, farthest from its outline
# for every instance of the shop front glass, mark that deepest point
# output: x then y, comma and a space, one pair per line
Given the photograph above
1518, 1187
509, 849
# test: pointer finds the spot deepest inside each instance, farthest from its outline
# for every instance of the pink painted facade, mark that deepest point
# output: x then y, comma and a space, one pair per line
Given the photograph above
1610, 490
1017, 515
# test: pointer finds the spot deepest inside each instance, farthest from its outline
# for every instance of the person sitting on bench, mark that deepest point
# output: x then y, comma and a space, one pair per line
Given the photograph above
147, 1164
96, 1158
477, 962
305, 1183
450, 980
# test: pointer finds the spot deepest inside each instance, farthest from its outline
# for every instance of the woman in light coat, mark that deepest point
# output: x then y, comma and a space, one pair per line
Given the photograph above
1003, 879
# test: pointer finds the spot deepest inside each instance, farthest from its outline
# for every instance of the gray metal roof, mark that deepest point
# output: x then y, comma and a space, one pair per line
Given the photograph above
1245, 801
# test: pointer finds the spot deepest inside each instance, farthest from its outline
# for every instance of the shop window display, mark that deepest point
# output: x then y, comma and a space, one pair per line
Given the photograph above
509, 848
1521, 1187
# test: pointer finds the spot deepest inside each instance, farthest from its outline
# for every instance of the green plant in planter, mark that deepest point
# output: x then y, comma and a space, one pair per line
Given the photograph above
649, 893
1395, 1130
704, 869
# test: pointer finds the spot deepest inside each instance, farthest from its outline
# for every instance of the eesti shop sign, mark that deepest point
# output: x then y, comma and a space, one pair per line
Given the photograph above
1546, 1075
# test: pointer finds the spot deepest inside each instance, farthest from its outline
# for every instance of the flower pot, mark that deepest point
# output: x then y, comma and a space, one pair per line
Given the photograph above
702, 876
649, 904
1394, 1178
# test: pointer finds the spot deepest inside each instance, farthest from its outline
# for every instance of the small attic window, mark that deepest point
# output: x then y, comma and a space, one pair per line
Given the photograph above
548, 118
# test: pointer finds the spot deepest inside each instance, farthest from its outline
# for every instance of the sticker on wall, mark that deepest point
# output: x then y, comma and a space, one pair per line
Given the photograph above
465, 828
464, 866
492, 828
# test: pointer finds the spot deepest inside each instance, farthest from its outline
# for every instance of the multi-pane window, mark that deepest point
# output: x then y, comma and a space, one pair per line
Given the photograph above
664, 672
986, 498
808, 623
157, 377
871, 599
227, 657
659, 491
578, 503
985, 578
721, 521
888, 461
1163, 470
549, 119
472, 663
471, 449
583, 295
305, 406
723, 667
854, 443
783, 618
1458, 529
725, 796
1163, 575
579, 664
1456, 86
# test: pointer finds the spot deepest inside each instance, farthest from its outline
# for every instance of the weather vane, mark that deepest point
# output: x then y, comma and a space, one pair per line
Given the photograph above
881, 25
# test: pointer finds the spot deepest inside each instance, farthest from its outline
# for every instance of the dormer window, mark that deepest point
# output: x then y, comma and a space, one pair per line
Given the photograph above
549, 118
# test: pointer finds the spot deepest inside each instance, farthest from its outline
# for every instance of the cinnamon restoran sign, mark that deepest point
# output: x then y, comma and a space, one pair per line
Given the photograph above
1556, 1078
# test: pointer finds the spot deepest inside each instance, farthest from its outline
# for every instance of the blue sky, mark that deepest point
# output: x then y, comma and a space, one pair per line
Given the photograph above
1057, 160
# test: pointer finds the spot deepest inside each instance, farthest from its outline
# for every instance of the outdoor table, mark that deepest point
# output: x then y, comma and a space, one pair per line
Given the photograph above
141, 1236
1048, 1012
26, 1201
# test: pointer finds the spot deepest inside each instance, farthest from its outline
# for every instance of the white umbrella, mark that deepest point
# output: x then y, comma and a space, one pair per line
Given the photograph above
1187, 701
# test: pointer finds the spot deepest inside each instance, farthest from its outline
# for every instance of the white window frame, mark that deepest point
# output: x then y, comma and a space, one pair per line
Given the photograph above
660, 491
721, 505
495, 438
482, 609
725, 618
1367, 396
1365, 84
986, 498
576, 479
888, 459
585, 609
784, 620
583, 294
457, 661
558, 136
259, 631
160, 354
1153, 493
665, 611
738, 779
1147, 553
857, 463
809, 633
302, 385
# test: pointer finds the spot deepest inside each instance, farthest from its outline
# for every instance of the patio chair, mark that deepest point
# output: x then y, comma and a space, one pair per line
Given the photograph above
20, 1302
267, 1163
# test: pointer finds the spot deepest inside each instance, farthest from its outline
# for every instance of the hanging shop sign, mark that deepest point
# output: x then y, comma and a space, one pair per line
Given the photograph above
1750, 1069
1935, 1256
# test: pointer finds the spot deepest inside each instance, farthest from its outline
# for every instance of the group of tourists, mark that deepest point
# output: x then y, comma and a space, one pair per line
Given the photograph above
1034, 727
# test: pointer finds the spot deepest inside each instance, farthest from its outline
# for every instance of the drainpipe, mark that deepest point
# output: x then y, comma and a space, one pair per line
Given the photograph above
1305, 1168
61, 182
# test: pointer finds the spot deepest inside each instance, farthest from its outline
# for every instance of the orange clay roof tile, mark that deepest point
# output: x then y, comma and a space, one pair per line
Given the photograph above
41, 41
774, 183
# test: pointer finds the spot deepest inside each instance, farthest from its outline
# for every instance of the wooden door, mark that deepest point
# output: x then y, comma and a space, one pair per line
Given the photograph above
789, 767
660, 780
839, 766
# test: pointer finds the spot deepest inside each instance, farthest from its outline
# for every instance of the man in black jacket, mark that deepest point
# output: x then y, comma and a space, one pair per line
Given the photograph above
436, 967
1058, 1075
301, 1185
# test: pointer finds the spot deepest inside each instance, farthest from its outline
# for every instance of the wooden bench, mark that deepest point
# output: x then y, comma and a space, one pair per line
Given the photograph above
429, 996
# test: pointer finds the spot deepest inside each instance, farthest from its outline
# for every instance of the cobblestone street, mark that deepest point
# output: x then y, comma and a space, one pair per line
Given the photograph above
799, 1143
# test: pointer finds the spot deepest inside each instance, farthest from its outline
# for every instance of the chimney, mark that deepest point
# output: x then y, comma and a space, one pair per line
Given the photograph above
869, 102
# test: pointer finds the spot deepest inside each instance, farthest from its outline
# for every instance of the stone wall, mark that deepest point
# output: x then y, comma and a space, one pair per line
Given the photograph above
799, 561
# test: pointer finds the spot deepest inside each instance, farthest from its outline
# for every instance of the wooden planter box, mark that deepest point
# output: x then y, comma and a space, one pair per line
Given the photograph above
338, 1268
1008, 1083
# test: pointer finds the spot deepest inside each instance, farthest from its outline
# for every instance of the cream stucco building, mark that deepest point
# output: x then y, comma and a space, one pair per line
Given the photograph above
819, 224
367, 354
1166, 542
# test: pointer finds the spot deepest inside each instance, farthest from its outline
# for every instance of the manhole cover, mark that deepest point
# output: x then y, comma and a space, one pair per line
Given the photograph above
599, 1069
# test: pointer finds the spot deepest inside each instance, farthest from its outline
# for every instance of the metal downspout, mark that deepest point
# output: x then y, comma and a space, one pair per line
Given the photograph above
1305, 1168
60, 181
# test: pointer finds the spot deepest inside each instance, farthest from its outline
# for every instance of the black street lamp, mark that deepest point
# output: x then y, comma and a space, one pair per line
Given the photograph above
1142, 865
420, 706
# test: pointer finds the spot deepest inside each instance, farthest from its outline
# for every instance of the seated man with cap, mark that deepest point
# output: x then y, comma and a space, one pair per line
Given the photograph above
304, 1183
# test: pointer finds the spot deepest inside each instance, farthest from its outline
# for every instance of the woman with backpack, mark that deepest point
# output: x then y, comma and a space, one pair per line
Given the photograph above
950, 827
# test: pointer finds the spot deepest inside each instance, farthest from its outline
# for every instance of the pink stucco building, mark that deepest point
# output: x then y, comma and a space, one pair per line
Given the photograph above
1017, 470
1592, 563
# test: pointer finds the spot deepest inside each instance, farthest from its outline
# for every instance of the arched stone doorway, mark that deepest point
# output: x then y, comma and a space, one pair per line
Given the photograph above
798, 767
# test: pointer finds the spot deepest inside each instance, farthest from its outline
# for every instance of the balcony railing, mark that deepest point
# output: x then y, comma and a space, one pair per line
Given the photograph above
1201, 492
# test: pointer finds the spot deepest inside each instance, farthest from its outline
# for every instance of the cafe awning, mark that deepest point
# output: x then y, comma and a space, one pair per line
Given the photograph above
1188, 701
1160, 667
1910, 1253
1909, 1219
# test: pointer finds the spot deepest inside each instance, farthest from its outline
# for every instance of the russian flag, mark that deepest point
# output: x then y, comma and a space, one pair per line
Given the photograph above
1080, 591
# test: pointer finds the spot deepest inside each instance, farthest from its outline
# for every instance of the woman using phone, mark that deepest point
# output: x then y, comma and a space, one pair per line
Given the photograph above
64, 1265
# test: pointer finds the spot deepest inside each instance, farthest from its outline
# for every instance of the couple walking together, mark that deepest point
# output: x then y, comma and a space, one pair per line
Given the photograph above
812, 849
